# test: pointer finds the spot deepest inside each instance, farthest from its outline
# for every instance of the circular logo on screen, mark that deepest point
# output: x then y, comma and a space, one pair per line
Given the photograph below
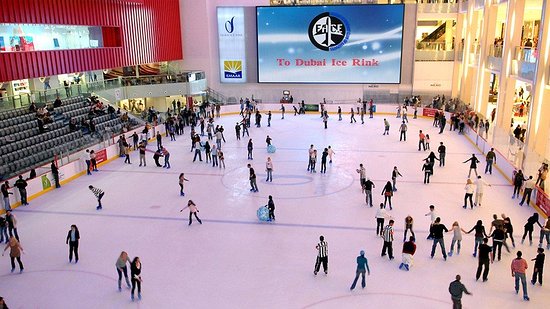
328, 31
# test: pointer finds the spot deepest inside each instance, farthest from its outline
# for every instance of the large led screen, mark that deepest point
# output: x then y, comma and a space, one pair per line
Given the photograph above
330, 44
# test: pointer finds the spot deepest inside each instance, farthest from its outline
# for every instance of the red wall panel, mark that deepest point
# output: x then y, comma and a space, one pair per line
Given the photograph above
149, 32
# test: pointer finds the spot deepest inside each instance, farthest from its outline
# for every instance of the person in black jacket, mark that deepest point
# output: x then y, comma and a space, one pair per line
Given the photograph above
271, 207
55, 173
518, 183
499, 237
529, 226
387, 192
473, 164
21, 184
73, 238
428, 170
437, 231
485, 257
2, 302
135, 271
539, 264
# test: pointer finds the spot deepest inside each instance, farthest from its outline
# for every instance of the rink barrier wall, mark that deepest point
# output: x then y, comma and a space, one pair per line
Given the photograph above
73, 169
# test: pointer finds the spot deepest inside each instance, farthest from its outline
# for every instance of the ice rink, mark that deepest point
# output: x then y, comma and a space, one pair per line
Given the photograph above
234, 261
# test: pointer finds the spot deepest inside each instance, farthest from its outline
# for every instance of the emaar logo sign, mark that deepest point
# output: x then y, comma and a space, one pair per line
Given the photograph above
229, 27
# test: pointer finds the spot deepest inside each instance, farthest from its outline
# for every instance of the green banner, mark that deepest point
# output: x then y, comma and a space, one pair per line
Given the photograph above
45, 182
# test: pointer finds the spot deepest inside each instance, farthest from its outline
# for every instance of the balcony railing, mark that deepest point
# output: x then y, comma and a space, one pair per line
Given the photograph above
439, 7
434, 51
525, 62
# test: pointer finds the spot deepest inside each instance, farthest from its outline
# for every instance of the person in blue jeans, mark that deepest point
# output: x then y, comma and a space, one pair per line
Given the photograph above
362, 267
479, 235
3, 230
437, 231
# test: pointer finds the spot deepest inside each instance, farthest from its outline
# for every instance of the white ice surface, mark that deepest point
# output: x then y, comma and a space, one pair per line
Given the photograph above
234, 261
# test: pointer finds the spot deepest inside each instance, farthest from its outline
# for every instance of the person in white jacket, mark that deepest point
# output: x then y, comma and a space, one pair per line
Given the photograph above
470, 188
380, 216
269, 169
480, 185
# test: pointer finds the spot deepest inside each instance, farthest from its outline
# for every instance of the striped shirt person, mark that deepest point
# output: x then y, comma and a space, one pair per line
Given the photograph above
387, 234
322, 255
98, 194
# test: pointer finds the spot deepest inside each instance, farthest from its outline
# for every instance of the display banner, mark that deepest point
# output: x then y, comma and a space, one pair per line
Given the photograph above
231, 44
330, 44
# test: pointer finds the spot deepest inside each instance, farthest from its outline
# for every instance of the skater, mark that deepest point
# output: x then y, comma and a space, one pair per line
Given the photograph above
473, 165
142, 149
55, 173
93, 161
456, 288
545, 234
86, 159
269, 169
386, 127
6, 195
98, 194
362, 175
457, 238
121, 268
433, 216
135, 272
485, 257
197, 145
480, 185
518, 183
508, 228
238, 131
221, 158
324, 156
480, 234
428, 141
437, 232
421, 141
409, 248
271, 208
126, 154
250, 147
3, 230
387, 192
380, 216
214, 153
539, 265
395, 172
181, 180
529, 226
362, 267
367, 187
313, 161
490, 159
11, 222
387, 234
193, 210
269, 118
527, 190
15, 253
208, 152
352, 116
403, 131
282, 111
339, 113
268, 141
428, 170
408, 227
73, 238
310, 153
322, 256
21, 185
469, 193
499, 237
166, 156
442, 150
325, 119
519, 266
135, 140
330, 154
252, 179
156, 157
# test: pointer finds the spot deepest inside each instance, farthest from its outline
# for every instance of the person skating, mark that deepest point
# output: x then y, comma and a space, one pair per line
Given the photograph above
324, 156
408, 227
427, 167
380, 216
181, 180
490, 159
252, 178
395, 172
367, 187
529, 227
73, 238
330, 154
386, 127
433, 216
421, 140
545, 234
539, 265
325, 119
166, 156
480, 187
249, 148
55, 173
3, 230
352, 116
135, 272
409, 248
269, 169
437, 233
271, 208
362, 267
156, 157
193, 210
457, 238
499, 237
282, 109
473, 165
21, 185
126, 156
469, 188
238, 131
518, 183
339, 113
456, 288
442, 150
403, 131
11, 222
313, 161
322, 256
310, 154
527, 190
98, 194
121, 268
480, 234
387, 192
508, 228
518, 267
485, 258
387, 235
142, 149
15, 253
362, 175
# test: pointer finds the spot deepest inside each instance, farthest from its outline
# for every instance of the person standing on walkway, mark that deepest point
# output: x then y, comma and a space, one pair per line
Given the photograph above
490, 159
395, 172
518, 267
403, 131
480, 234
381, 215
437, 232
6, 195
252, 178
409, 248
529, 227
193, 210
527, 190
442, 150
539, 265
473, 165
322, 256
324, 156
386, 127
457, 238
362, 175
73, 238
135, 272
469, 188
485, 257
121, 269
98, 194
456, 288
387, 192
367, 187
15, 253
55, 173
362, 267
387, 235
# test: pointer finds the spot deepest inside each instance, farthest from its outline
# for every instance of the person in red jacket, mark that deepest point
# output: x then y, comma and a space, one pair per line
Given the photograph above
409, 248
519, 265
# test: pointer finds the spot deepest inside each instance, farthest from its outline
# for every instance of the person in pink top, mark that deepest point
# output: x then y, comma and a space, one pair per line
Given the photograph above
519, 265
192, 211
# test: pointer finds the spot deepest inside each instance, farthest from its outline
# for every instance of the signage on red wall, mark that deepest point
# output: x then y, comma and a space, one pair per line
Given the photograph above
101, 156
429, 112
543, 202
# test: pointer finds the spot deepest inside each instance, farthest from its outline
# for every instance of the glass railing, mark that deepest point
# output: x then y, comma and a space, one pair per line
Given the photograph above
438, 7
524, 64
495, 51
434, 46
526, 54
494, 59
